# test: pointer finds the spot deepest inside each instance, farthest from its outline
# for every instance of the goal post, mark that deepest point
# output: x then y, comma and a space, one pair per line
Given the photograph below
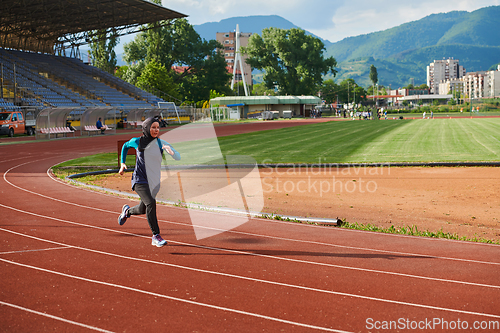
169, 106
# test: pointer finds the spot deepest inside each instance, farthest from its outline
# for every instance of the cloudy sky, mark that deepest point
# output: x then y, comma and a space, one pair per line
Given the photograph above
330, 19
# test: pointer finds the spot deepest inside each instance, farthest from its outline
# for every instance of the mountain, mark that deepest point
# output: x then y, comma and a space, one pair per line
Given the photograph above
254, 24
398, 69
404, 52
401, 53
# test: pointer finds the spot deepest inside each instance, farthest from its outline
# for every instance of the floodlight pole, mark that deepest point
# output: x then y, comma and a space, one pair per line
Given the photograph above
354, 102
348, 94
237, 59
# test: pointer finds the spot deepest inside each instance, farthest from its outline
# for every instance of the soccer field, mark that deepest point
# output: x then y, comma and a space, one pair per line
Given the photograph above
430, 140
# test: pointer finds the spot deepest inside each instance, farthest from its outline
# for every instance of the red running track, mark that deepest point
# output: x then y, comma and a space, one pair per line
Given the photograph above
67, 266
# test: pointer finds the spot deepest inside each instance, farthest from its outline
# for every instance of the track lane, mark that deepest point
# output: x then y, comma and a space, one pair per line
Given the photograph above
191, 288
264, 264
344, 254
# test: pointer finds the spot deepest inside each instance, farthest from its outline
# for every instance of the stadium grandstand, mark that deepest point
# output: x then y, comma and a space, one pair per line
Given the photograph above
36, 36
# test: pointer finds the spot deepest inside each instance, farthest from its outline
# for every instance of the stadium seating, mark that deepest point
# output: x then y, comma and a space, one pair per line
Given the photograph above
8, 106
54, 81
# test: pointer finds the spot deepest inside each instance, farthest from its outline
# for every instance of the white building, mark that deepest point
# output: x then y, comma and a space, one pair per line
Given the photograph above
450, 86
493, 83
442, 70
474, 84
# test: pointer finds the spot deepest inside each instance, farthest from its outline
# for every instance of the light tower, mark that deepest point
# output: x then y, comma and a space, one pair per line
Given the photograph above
237, 59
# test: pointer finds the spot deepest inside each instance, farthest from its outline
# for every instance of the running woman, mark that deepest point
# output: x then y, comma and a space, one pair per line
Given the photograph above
140, 184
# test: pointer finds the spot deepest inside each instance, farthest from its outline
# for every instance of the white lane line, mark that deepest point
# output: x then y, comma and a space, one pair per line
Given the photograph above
258, 254
145, 292
254, 279
18, 158
259, 235
54, 317
37, 250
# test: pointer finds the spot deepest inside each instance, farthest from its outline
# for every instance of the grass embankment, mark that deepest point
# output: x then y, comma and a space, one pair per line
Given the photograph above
413, 231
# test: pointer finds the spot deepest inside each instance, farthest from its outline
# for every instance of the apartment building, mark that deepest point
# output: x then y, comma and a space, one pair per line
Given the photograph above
450, 86
473, 84
493, 83
442, 70
228, 40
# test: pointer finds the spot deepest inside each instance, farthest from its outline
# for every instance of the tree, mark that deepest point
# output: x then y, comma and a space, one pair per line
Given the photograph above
350, 92
201, 65
292, 60
120, 72
156, 76
260, 89
374, 90
132, 72
196, 83
329, 91
373, 74
102, 49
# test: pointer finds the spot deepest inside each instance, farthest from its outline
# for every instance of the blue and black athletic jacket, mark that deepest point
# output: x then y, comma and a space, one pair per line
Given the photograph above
139, 176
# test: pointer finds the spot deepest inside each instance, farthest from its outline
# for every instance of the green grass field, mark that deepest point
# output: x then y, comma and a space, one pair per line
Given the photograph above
436, 140
370, 141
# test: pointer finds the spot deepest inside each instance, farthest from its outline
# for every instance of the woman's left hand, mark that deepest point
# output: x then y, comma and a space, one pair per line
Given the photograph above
168, 149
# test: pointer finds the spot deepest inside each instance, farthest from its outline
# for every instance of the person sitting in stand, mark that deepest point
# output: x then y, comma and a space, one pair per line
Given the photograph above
100, 126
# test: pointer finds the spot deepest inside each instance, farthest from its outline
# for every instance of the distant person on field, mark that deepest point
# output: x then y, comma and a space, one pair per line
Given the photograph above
100, 126
140, 184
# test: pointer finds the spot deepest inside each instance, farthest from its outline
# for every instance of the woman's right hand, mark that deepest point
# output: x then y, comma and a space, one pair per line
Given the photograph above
123, 167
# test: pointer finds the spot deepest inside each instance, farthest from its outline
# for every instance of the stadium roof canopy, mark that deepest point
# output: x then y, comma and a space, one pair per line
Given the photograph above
47, 25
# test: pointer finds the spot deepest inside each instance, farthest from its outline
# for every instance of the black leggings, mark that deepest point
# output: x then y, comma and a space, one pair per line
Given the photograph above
146, 206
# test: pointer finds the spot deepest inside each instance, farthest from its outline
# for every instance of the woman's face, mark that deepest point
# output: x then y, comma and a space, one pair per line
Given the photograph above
154, 129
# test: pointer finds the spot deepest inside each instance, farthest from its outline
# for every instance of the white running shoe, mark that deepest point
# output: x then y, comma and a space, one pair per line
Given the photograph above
158, 241
124, 215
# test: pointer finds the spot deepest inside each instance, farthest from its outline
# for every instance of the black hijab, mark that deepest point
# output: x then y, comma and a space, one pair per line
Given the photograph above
146, 137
